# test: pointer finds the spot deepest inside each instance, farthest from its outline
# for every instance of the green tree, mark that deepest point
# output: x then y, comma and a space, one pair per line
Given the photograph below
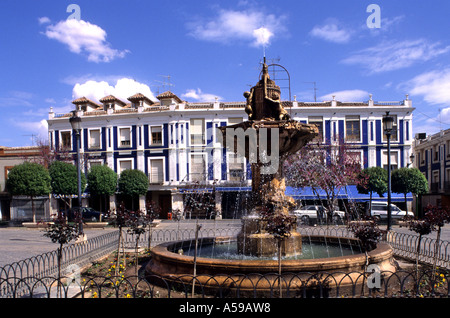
133, 183
406, 180
377, 178
102, 181
29, 179
64, 178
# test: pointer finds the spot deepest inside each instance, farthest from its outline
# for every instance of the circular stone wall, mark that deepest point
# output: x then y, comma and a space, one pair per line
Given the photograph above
212, 272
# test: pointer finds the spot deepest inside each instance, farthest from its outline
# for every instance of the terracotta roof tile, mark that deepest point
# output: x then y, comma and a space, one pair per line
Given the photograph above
169, 94
138, 97
111, 98
84, 100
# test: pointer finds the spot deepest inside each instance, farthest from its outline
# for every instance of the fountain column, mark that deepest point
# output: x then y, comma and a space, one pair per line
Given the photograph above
268, 119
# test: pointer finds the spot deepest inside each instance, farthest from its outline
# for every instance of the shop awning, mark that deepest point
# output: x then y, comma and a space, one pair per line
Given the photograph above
306, 193
349, 193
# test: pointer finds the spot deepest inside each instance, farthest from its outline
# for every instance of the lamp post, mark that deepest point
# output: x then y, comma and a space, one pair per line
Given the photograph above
388, 124
75, 122
412, 157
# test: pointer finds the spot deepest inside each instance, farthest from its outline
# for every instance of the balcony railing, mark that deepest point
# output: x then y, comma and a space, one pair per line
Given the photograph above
156, 178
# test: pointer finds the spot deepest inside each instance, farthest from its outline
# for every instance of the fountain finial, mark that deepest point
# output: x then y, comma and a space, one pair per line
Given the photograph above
264, 99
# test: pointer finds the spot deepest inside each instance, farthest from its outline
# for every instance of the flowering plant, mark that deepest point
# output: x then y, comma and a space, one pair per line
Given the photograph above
367, 232
279, 224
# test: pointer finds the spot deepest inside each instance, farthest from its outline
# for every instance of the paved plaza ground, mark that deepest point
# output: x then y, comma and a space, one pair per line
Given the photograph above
19, 243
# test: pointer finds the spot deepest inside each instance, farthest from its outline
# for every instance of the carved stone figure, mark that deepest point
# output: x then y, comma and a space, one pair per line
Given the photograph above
263, 100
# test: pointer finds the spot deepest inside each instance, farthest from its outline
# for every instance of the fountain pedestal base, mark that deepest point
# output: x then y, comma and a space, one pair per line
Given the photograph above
253, 240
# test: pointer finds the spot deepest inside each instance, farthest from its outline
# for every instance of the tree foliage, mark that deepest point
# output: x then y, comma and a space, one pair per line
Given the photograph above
102, 180
367, 232
406, 180
29, 179
327, 168
133, 183
64, 178
376, 181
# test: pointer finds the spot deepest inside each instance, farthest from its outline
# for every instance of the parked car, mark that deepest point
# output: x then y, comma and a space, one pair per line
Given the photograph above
308, 212
379, 211
88, 214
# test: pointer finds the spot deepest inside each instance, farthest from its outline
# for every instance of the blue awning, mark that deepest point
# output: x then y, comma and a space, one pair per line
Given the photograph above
350, 193
306, 193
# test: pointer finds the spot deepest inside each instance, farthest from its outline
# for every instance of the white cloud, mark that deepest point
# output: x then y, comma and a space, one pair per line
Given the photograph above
347, 95
431, 123
43, 20
248, 25
331, 32
124, 88
199, 96
389, 56
38, 128
16, 98
84, 38
433, 86
262, 36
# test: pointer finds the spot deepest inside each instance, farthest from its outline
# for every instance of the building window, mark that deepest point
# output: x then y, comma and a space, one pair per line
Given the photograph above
182, 133
92, 163
394, 160
235, 167
318, 121
371, 131
198, 167
94, 139
125, 137
156, 136
435, 181
352, 128
66, 140
435, 153
197, 132
7, 170
422, 157
447, 179
235, 120
394, 134
125, 165
156, 172
407, 130
447, 148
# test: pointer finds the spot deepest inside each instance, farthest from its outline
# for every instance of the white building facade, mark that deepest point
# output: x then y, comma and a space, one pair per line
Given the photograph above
432, 158
176, 143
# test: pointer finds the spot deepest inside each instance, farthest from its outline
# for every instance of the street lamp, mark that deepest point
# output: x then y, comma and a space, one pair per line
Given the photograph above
412, 157
388, 125
75, 122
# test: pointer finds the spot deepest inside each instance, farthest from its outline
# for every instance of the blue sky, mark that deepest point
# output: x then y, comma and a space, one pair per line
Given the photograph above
206, 49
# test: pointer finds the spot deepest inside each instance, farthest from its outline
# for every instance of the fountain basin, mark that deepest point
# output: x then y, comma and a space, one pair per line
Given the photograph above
229, 273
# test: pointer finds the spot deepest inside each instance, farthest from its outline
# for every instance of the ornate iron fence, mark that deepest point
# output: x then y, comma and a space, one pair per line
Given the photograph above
35, 273
46, 264
431, 252
324, 285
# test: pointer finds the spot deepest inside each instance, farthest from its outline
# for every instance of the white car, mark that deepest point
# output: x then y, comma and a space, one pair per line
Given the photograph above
307, 212
379, 211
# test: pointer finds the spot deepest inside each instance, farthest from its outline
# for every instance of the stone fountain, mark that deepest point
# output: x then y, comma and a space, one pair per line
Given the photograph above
275, 137
269, 133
